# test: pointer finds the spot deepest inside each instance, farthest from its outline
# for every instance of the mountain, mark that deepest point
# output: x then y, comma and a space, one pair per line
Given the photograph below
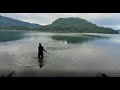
9, 23
75, 25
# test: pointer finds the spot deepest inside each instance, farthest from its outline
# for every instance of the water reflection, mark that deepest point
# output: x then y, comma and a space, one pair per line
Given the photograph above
90, 58
77, 39
96, 36
11, 35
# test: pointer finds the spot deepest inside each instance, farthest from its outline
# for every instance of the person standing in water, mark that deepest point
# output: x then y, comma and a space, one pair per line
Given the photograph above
40, 51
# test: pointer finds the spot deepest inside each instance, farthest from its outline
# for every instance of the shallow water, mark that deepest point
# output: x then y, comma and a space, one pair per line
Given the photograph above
68, 54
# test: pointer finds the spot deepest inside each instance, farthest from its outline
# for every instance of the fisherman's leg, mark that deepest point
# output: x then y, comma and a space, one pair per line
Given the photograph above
42, 55
38, 55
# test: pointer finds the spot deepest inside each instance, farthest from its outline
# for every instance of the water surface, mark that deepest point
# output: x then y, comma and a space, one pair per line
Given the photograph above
69, 54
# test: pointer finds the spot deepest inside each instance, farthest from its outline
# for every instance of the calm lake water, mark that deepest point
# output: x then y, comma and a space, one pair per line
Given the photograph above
68, 54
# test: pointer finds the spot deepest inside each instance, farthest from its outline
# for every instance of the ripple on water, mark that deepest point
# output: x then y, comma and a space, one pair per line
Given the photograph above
28, 59
57, 48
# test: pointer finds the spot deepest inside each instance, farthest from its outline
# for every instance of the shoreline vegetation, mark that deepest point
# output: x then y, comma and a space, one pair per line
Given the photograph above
60, 32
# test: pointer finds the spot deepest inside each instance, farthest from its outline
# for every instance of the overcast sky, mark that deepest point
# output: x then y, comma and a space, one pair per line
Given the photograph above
102, 19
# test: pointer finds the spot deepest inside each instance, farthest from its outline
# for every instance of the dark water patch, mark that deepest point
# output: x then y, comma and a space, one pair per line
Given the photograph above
96, 36
11, 35
77, 39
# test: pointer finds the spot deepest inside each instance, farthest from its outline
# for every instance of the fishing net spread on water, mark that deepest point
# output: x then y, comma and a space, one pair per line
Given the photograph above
28, 59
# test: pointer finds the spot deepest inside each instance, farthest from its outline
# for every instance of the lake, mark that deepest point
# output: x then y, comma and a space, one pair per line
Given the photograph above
68, 54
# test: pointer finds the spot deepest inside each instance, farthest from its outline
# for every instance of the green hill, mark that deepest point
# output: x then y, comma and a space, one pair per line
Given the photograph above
13, 24
75, 25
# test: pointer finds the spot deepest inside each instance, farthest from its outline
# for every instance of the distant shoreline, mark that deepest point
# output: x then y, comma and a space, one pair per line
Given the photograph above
53, 32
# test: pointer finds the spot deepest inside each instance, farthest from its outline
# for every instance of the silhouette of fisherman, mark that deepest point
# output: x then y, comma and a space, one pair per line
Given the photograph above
40, 51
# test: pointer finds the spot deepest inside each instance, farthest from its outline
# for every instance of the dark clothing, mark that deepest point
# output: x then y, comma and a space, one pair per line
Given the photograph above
41, 49
40, 52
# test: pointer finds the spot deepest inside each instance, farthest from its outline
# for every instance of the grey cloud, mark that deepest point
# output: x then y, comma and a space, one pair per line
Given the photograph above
109, 21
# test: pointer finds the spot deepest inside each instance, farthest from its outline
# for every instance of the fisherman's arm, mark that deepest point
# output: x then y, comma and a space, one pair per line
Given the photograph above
44, 50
